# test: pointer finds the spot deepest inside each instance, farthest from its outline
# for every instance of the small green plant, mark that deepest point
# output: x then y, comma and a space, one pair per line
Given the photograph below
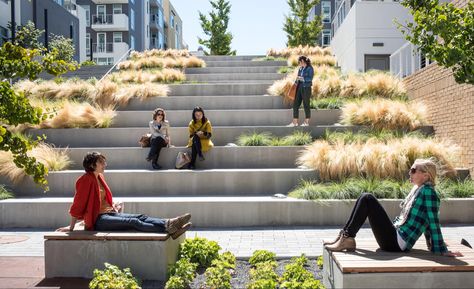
262, 284
327, 103
297, 138
255, 139
306, 284
199, 250
264, 270
113, 278
88, 63
456, 188
297, 277
218, 277
227, 259
285, 69
320, 262
269, 58
175, 282
5, 193
260, 256
183, 269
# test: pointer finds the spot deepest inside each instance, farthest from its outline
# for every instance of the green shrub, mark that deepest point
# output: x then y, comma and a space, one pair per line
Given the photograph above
264, 271
88, 63
297, 138
200, 251
260, 256
255, 139
5, 193
285, 69
175, 282
113, 278
320, 262
307, 284
218, 277
262, 284
297, 277
327, 103
226, 259
183, 269
455, 188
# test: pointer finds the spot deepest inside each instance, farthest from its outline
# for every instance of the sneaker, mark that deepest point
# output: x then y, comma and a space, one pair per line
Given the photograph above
305, 124
174, 224
292, 125
156, 166
181, 230
201, 158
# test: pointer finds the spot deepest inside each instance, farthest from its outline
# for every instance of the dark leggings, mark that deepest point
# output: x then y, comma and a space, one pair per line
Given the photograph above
196, 149
367, 206
156, 144
303, 94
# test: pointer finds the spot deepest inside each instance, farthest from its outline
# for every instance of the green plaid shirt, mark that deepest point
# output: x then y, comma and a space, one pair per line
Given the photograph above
424, 218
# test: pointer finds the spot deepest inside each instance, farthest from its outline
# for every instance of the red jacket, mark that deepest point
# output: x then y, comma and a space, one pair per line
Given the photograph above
86, 204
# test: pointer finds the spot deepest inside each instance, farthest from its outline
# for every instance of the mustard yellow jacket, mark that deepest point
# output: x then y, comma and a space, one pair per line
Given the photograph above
206, 143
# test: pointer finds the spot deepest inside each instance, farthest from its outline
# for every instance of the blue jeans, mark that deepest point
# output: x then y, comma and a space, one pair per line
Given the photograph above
123, 222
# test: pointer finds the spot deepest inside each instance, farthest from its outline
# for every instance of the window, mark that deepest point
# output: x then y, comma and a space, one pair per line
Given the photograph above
172, 19
88, 44
132, 42
118, 37
161, 40
117, 8
326, 37
104, 60
161, 19
132, 19
326, 11
101, 41
87, 8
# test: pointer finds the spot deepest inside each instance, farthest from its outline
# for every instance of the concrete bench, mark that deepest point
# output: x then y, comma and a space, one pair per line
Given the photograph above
78, 253
369, 267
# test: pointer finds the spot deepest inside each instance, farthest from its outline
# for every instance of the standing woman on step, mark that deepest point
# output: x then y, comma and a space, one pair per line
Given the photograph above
420, 214
303, 91
160, 137
200, 133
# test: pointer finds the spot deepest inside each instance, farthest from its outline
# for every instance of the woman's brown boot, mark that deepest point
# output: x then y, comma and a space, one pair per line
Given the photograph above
326, 242
345, 243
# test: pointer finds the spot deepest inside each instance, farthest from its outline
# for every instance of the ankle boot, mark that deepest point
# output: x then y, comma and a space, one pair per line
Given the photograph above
344, 243
331, 242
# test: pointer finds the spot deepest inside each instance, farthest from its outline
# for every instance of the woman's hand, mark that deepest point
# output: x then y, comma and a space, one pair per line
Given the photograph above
118, 207
453, 254
200, 133
167, 140
64, 229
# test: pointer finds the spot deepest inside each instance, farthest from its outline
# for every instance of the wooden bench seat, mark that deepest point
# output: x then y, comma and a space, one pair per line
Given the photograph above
78, 253
370, 267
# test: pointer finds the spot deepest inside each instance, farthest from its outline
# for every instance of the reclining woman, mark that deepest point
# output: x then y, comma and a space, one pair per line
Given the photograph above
200, 132
94, 205
419, 215
160, 137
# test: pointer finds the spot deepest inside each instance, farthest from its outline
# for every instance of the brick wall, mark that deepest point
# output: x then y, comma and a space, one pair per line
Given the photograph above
450, 107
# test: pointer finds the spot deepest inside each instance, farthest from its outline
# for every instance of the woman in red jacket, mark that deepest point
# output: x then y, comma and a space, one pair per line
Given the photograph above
93, 204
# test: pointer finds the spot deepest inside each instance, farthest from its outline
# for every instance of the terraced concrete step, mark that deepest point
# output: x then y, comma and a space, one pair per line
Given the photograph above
230, 58
244, 63
234, 89
252, 69
217, 158
218, 102
152, 183
234, 211
128, 137
267, 117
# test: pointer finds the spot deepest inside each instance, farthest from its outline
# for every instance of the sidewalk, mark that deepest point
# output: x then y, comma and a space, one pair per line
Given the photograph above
22, 262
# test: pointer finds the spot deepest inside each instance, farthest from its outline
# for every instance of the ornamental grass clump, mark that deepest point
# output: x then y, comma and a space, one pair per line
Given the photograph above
300, 50
160, 62
383, 84
297, 138
165, 75
316, 60
160, 53
385, 114
255, 139
5, 193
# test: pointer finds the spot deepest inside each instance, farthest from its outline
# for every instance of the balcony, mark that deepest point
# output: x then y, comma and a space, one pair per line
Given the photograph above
109, 22
110, 1
109, 49
154, 3
154, 22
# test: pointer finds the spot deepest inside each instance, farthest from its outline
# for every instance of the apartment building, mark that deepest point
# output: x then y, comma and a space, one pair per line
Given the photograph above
365, 33
325, 9
174, 27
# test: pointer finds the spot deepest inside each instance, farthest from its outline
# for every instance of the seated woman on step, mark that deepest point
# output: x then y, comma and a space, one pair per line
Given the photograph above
160, 137
419, 214
93, 204
200, 132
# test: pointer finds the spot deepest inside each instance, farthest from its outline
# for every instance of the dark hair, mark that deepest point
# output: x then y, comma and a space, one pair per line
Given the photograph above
305, 59
156, 111
90, 160
196, 109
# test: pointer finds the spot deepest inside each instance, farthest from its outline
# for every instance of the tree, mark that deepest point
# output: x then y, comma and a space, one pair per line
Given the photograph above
27, 36
64, 46
15, 109
299, 30
443, 33
216, 28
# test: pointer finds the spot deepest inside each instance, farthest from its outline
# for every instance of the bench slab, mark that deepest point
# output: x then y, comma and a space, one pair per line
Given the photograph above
369, 267
78, 253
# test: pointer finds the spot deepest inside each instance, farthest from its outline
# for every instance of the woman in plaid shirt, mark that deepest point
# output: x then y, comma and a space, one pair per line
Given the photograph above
419, 215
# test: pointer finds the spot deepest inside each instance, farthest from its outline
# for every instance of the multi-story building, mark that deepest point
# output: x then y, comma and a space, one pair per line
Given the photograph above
325, 9
174, 27
365, 33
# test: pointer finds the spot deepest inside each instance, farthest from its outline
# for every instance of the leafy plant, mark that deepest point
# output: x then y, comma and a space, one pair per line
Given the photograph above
320, 262
262, 284
296, 276
443, 32
260, 256
183, 269
27, 36
285, 69
299, 30
297, 138
218, 277
216, 29
5, 193
327, 103
456, 188
88, 63
226, 259
264, 270
175, 282
64, 46
199, 250
113, 278
255, 139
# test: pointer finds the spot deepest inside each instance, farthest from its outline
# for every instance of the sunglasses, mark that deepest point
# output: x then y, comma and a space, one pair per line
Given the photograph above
414, 170
160, 114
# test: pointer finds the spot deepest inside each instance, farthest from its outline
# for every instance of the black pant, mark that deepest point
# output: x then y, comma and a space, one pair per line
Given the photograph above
196, 149
303, 94
367, 206
156, 144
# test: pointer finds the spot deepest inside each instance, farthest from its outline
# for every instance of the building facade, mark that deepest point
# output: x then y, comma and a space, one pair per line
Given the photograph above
325, 9
365, 33
174, 27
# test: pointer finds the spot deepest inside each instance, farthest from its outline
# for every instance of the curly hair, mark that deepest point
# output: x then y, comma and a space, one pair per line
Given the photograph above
91, 159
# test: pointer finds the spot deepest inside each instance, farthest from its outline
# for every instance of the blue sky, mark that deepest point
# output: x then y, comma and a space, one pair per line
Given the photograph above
255, 24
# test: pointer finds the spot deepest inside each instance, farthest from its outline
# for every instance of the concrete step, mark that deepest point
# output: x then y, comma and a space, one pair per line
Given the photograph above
217, 158
261, 117
215, 102
244, 63
211, 211
234, 77
234, 89
230, 58
214, 70
84, 72
152, 183
128, 137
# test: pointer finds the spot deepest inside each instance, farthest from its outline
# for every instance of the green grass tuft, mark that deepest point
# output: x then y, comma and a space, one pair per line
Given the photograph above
327, 103
5, 193
297, 138
255, 139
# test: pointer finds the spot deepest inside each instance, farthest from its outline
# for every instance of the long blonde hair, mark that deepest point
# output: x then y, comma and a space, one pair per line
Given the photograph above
427, 166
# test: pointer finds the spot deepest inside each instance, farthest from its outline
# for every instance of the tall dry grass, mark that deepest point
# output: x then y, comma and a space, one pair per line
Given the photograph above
70, 89
337, 161
52, 158
300, 50
385, 114
160, 53
165, 75
160, 62
383, 84
316, 60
